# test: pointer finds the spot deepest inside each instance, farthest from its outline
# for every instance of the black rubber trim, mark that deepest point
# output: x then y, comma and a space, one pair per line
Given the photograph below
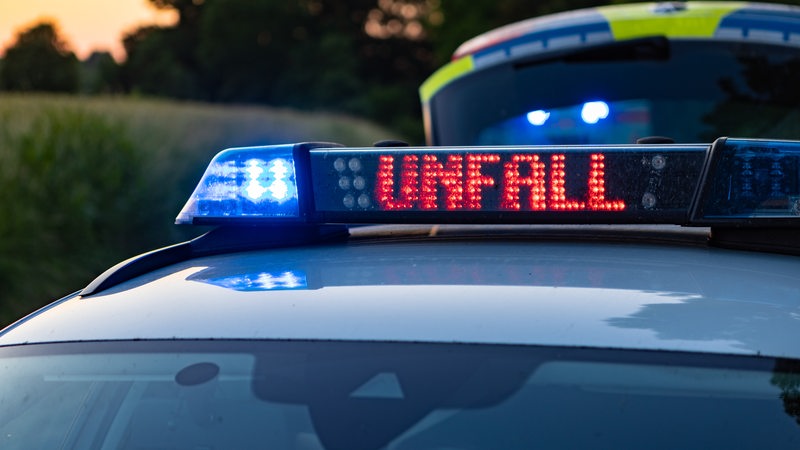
771, 240
218, 241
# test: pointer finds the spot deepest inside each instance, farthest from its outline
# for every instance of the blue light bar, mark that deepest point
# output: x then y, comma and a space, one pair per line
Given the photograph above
731, 183
750, 182
249, 183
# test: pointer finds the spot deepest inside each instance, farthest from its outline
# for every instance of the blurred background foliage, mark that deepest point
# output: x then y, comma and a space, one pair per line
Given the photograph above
88, 181
360, 57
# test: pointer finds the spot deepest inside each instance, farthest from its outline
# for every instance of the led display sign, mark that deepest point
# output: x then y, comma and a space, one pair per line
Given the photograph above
556, 183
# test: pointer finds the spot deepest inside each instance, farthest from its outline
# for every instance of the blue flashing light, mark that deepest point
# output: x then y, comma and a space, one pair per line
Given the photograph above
538, 118
251, 182
753, 180
593, 112
261, 185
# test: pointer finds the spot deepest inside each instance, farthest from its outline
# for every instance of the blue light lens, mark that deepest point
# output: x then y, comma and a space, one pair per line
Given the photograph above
252, 182
752, 179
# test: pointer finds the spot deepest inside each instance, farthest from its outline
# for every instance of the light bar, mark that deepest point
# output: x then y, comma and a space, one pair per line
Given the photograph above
735, 181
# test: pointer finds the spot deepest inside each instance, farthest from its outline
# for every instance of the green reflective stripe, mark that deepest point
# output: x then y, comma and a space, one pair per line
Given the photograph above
444, 76
700, 19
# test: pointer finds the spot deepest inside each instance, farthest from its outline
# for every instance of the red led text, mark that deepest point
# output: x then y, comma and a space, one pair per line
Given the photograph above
524, 182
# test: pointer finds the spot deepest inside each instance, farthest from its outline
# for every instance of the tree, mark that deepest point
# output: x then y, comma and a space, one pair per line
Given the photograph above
162, 60
100, 74
39, 60
363, 57
158, 65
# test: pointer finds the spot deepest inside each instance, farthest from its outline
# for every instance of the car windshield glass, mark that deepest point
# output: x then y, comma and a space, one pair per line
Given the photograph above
690, 91
335, 395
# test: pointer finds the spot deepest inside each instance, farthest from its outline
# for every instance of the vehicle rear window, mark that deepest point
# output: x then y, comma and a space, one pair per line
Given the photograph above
690, 91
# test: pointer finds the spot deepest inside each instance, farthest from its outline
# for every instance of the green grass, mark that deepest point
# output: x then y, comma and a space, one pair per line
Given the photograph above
86, 182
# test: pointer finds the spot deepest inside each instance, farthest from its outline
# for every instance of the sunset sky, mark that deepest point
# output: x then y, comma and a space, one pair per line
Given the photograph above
86, 25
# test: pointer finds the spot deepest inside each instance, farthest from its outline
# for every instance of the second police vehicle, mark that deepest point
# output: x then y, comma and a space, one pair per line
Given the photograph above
536, 291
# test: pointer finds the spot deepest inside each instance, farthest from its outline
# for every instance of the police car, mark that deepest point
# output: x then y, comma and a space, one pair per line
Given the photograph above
527, 296
689, 71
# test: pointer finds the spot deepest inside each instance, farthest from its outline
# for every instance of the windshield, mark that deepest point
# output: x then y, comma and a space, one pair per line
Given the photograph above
690, 91
336, 395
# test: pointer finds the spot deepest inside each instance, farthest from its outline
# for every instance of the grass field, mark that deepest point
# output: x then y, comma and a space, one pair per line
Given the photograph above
86, 182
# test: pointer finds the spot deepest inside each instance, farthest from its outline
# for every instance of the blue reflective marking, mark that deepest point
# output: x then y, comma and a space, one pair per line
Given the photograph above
546, 35
779, 20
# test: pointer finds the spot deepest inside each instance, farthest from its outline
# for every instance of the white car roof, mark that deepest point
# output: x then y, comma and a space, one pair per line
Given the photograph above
498, 289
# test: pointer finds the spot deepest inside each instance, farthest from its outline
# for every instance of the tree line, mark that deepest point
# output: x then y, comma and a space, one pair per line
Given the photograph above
360, 57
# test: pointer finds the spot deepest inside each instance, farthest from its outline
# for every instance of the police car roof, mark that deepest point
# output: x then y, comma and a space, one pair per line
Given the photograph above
517, 288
